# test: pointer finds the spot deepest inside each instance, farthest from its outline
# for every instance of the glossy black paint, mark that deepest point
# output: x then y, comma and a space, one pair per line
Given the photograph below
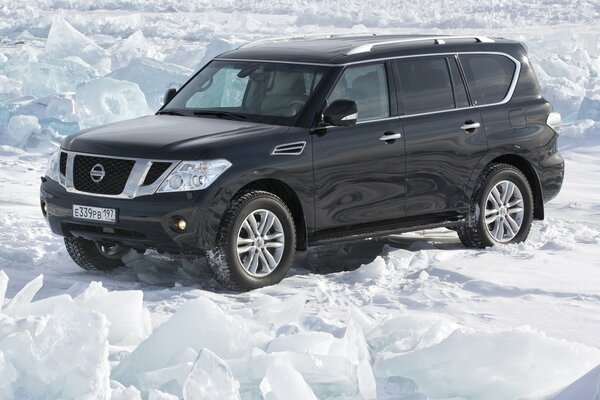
346, 182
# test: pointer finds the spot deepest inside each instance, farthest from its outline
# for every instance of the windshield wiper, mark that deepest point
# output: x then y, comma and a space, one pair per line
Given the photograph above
221, 114
173, 112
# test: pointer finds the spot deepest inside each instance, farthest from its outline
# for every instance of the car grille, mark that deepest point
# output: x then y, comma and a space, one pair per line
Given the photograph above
155, 171
116, 173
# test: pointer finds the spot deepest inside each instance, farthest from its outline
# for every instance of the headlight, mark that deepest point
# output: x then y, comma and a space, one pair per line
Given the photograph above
193, 175
53, 168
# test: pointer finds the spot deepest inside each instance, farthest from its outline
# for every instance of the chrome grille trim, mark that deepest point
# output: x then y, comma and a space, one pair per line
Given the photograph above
133, 187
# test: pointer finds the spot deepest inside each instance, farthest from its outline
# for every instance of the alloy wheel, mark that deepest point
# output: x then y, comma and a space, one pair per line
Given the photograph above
504, 211
260, 243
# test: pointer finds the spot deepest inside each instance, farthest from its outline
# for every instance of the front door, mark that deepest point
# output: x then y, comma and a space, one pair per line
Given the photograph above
359, 171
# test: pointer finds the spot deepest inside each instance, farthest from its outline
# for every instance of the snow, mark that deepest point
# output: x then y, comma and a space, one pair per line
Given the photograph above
415, 316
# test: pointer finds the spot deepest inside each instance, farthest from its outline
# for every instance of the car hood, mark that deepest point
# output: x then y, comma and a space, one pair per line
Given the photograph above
166, 137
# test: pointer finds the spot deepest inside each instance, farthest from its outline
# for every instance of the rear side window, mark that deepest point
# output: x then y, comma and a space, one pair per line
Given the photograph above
367, 86
426, 85
489, 76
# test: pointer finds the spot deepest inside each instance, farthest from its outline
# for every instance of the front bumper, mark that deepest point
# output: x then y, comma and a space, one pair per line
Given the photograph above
143, 222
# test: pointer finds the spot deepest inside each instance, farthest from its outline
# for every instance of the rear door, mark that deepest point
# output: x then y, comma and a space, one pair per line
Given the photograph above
359, 175
443, 134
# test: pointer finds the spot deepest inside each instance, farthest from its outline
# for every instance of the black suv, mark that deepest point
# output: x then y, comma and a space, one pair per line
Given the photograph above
285, 143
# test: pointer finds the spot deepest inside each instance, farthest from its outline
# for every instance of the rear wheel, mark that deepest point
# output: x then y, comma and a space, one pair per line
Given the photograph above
90, 255
256, 243
501, 209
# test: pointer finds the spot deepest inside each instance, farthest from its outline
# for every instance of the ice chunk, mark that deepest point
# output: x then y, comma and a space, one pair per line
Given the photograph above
43, 75
306, 342
9, 87
590, 108
218, 46
120, 392
3, 286
52, 349
198, 324
105, 100
60, 106
155, 394
64, 40
153, 77
523, 360
278, 313
129, 319
586, 387
357, 347
555, 66
327, 375
136, 45
410, 331
19, 129
24, 297
209, 379
283, 382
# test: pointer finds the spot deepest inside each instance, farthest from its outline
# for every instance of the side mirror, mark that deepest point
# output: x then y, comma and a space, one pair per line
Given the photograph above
341, 113
169, 94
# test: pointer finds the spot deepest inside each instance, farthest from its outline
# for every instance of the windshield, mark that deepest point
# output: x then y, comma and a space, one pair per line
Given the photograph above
256, 91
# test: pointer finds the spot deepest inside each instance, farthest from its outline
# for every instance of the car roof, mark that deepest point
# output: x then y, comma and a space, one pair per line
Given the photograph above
344, 49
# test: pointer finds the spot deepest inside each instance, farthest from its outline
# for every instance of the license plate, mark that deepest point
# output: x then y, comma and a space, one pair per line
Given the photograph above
95, 213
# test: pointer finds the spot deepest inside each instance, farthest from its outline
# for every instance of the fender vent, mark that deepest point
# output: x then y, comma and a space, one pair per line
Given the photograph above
289, 149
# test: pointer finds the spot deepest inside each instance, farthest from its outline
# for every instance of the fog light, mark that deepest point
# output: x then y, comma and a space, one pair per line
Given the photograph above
44, 208
180, 223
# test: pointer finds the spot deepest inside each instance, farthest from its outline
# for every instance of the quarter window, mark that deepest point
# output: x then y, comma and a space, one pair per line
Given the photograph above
426, 85
367, 86
489, 76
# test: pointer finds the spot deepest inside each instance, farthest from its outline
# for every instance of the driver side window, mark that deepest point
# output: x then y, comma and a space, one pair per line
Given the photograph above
367, 86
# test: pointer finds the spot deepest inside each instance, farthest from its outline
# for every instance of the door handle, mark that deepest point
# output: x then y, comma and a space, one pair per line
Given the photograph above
470, 126
390, 136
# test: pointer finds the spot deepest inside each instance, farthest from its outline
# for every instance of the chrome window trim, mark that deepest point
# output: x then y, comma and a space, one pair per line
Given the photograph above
133, 187
505, 100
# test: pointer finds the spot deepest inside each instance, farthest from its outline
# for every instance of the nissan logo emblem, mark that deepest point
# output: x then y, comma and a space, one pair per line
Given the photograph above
97, 173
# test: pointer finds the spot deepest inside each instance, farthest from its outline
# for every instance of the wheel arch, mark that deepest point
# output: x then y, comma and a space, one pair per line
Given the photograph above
290, 198
532, 176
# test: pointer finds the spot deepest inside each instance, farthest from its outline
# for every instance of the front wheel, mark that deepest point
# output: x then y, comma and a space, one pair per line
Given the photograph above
256, 243
90, 255
501, 209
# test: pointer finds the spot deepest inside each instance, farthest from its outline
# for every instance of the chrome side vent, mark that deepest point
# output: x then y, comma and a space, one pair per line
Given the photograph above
289, 149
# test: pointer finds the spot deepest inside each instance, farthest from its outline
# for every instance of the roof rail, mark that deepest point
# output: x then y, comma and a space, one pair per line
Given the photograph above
364, 48
302, 37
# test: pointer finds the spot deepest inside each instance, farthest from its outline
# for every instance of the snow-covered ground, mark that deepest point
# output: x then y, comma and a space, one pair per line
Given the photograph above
413, 317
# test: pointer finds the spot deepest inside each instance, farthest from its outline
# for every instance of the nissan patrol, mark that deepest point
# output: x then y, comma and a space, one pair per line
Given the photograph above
289, 142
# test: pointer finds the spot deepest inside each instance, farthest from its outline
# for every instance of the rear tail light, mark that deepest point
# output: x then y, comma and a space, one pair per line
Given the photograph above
554, 121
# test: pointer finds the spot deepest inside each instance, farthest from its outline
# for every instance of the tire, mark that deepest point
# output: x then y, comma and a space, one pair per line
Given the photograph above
479, 233
90, 256
238, 272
